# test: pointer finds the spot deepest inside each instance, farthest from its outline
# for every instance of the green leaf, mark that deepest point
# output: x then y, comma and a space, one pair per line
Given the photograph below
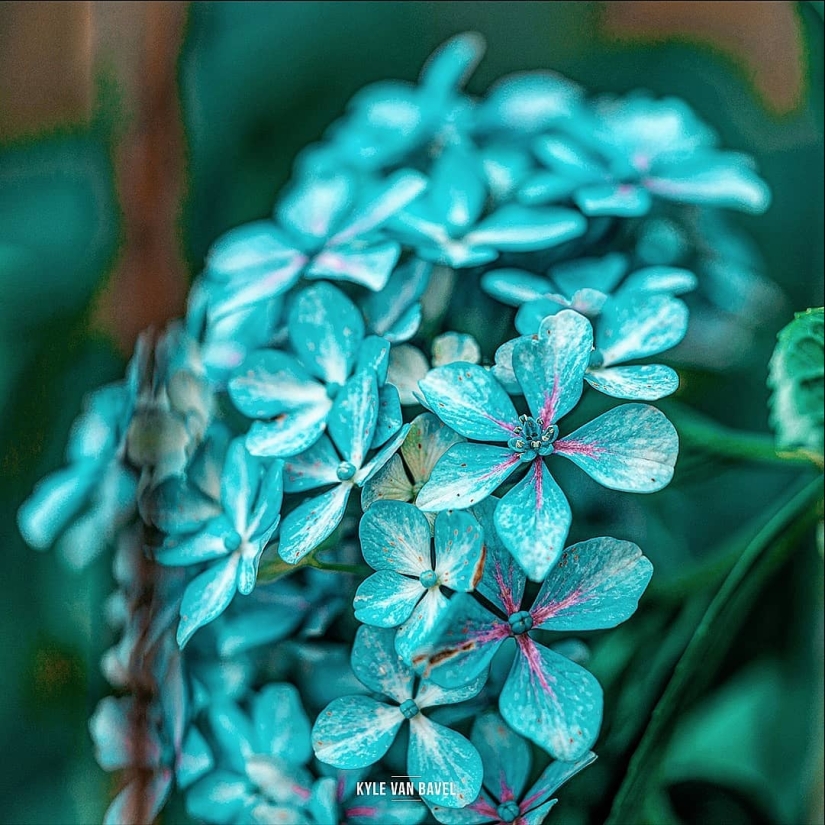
711, 640
797, 377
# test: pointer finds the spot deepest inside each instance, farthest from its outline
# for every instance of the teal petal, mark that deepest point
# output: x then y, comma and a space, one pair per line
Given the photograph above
551, 779
505, 755
195, 759
390, 483
452, 63
533, 520
354, 731
431, 695
466, 474
390, 417
503, 580
312, 468
538, 815
467, 398
440, 755
638, 328
596, 584
552, 701
514, 287
370, 267
602, 274
386, 599
239, 482
353, 417
417, 630
516, 228
206, 545
281, 726
206, 597
395, 536
529, 318
378, 666
381, 457
394, 313
632, 447
326, 331
667, 280
219, 797
459, 550
305, 527
643, 383
529, 102
621, 200
374, 355
551, 367
454, 346
289, 434
466, 640
271, 383
311, 209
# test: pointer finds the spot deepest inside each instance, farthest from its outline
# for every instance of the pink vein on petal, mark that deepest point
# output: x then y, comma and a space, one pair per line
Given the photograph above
548, 409
548, 611
506, 793
572, 447
531, 654
503, 589
537, 468
482, 806
361, 810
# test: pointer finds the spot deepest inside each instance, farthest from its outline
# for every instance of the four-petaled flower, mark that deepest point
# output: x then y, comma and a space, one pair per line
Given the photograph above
232, 542
355, 731
632, 447
507, 762
406, 590
547, 698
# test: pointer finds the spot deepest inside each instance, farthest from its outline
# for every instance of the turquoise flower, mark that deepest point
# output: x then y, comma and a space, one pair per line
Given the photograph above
231, 543
507, 763
328, 225
547, 698
261, 773
83, 505
447, 224
635, 149
406, 590
632, 447
356, 731
339, 460
295, 394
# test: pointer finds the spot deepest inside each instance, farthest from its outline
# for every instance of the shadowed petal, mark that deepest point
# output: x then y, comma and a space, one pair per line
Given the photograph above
417, 631
459, 543
378, 666
353, 417
207, 596
290, 433
506, 757
427, 440
305, 527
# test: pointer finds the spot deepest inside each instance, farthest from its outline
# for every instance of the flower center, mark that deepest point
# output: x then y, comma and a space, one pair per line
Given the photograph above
596, 359
232, 541
520, 622
531, 438
333, 389
428, 579
508, 811
345, 471
409, 709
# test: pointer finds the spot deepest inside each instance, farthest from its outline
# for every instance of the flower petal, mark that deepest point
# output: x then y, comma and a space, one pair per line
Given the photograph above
290, 433
408, 366
207, 544
381, 457
431, 695
207, 596
390, 417
305, 527
427, 440
394, 313
459, 550
621, 200
417, 630
281, 726
551, 367
378, 666
467, 398
219, 797
552, 778
503, 580
638, 327
352, 419
533, 520
354, 731
596, 584
140, 801
314, 467
395, 536
326, 331
552, 701
514, 287
390, 483
466, 474
642, 383
466, 640
386, 599
632, 447
517, 228
271, 383
505, 755
370, 267
441, 756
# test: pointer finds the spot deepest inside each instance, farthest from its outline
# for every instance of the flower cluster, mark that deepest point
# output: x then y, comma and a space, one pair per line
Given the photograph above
317, 359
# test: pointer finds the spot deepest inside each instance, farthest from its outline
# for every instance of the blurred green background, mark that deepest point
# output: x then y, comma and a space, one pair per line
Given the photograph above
133, 134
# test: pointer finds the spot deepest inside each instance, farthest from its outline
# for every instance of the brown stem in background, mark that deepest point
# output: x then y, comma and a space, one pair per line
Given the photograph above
140, 42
